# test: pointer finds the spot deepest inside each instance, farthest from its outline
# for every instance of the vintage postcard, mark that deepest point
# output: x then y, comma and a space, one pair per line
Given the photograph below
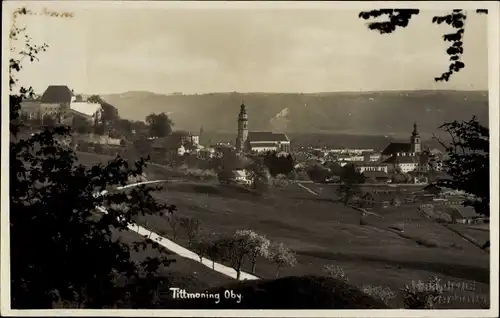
231, 159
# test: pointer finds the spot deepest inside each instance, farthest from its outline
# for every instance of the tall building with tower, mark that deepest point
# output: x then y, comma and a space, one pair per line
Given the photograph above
415, 140
258, 141
242, 129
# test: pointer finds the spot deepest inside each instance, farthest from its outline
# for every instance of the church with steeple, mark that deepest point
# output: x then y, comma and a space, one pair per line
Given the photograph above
406, 156
258, 141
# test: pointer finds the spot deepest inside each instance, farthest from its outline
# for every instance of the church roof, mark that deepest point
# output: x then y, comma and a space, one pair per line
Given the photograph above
403, 159
395, 147
57, 94
266, 136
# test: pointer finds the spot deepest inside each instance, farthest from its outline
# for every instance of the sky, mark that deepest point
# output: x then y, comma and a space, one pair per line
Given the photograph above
115, 50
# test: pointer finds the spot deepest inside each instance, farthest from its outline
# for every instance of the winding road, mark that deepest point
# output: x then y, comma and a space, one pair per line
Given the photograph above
174, 247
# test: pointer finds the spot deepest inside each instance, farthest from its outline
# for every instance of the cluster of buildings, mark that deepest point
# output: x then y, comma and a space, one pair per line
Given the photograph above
61, 104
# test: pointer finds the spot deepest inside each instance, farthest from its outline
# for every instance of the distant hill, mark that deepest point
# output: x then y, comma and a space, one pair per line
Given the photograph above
389, 113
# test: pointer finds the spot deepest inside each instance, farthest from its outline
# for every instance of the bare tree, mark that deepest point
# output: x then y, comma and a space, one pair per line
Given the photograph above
173, 221
191, 227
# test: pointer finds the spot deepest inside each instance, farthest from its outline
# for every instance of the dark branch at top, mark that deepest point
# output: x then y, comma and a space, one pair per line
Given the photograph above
401, 18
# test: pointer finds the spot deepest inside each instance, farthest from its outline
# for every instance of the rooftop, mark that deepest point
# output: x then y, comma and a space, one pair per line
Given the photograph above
263, 136
395, 147
85, 108
57, 94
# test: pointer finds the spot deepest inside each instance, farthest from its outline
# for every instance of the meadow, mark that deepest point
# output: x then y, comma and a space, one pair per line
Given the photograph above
321, 231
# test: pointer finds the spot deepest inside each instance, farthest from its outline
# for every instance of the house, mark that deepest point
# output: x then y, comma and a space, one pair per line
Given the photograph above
166, 148
258, 141
241, 176
463, 214
186, 138
372, 156
378, 176
370, 166
381, 198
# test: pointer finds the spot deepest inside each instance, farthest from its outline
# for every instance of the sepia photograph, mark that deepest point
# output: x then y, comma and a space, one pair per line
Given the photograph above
270, 158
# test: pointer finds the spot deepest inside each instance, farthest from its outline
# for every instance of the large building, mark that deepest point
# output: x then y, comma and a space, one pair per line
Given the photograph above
405, 156
258, 141
59, 103
402, 148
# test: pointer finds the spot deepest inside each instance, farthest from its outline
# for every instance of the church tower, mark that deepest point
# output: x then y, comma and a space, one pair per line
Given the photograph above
415, 140
242, 129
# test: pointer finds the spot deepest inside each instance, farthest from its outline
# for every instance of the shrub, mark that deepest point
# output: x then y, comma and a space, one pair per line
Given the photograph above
336, 272
383, 293
280, 181
423, 295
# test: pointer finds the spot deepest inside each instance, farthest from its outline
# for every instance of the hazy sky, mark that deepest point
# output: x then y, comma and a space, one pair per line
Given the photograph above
199, 51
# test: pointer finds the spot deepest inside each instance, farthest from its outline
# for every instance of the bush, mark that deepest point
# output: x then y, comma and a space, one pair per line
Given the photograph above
335, 271
383, 293
280, 181
318, 173
423, 295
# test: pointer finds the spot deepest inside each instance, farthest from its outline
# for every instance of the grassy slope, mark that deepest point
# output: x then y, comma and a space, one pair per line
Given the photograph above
322, 232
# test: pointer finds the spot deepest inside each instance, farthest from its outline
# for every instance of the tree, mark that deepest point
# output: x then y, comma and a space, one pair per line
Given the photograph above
191, 227
278, 164
258, 245
214, 251
81, 125
49, 120
317, 173
259, 175
234, 249
160, 125
73, 257
173, 221
468, 162
350, 180
402, 17
282, 256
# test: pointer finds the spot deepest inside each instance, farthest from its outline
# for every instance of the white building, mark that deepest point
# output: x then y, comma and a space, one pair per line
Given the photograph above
362, 167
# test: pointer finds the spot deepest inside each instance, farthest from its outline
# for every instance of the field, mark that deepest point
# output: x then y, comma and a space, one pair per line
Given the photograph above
322, 232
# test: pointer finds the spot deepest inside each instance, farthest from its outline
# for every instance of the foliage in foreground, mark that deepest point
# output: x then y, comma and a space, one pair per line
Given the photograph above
62, 250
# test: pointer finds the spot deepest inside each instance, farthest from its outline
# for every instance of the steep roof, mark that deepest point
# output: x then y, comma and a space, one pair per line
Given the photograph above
57, 94
395, 147
263, 136
403, 159
88, 109
465, 212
